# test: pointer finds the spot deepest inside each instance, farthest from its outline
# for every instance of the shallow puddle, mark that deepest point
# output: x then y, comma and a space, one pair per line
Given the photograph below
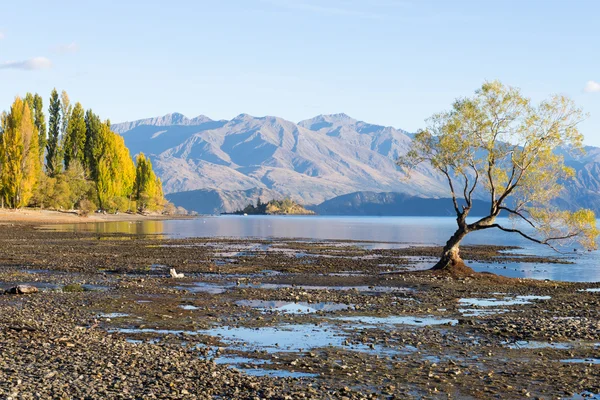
506, 301
293, 308
293, 338
43, 286
275, 339
361, 289
477, 312
188, 307
245, 365
365, 321
276, 373
237, 360
206, 287
582, 360
523, 344
112, 315
95, 288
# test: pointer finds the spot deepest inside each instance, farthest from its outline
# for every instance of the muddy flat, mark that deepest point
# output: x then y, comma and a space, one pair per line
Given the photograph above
283, 318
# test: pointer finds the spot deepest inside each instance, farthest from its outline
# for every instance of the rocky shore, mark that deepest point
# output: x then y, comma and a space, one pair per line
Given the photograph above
282, 319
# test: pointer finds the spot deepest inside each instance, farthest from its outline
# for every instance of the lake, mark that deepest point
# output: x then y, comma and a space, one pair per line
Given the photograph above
388, 232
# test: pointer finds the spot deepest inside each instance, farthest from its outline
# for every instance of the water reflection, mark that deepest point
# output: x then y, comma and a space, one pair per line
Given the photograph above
123, 227
406, 230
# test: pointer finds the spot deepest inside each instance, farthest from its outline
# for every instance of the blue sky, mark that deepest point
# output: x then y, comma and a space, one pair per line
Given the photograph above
383, 61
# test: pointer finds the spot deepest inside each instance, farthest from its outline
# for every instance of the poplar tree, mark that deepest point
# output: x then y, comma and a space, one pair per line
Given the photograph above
40, 123
93, 125
75, 136
53, 147
19, 155
65, 112
114, 169
147, 187
36, 106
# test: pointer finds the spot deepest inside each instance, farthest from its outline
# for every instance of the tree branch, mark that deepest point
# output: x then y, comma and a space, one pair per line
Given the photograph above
458, 213
515, 212
544, 242
465, 188
492, 187
474, 183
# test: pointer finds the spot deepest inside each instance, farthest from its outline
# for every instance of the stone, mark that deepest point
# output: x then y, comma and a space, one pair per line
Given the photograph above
22, 289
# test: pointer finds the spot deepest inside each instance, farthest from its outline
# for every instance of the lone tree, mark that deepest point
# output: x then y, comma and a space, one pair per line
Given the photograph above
497, 145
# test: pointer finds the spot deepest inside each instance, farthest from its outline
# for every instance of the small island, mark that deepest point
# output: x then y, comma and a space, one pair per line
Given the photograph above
274, 207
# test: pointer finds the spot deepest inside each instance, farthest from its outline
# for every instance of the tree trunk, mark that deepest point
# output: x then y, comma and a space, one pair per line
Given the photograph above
451, 257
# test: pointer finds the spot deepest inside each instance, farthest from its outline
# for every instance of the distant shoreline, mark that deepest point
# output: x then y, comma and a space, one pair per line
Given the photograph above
26, 215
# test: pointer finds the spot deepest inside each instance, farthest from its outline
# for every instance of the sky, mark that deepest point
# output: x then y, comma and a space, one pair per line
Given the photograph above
389, 62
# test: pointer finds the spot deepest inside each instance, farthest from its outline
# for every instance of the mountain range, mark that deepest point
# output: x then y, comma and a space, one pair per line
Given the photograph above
219, 166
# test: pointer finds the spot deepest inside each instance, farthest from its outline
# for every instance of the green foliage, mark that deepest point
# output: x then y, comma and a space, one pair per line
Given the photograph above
87, 207
93, 126
275, 207
73, 288
36, 106
53, 151
499, 145
98, 169
65, 112
75, 137
65, 191
40, 123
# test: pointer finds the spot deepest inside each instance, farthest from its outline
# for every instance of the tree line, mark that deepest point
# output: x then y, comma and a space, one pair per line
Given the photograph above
74, 161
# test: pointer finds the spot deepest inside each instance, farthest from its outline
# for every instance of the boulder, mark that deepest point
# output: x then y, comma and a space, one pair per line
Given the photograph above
22, 289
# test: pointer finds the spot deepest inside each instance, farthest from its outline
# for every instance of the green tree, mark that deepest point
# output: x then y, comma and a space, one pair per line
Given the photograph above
75, 137
497, 143
53, 153
93, 126
40, 123
19, 155
65, 112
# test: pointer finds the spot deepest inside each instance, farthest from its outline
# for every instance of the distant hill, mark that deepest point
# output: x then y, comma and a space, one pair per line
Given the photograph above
390, 204
217, 163
309, 162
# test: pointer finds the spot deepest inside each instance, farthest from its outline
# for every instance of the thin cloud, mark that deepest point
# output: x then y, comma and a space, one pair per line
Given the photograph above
32, 64
592, 87
2, 35
67, 48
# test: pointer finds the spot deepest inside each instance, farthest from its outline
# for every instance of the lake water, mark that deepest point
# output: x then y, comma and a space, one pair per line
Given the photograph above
387, 231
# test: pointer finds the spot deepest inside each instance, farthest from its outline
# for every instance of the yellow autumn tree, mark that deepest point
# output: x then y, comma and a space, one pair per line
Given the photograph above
500, 145
19, 155
115, 171
147, 187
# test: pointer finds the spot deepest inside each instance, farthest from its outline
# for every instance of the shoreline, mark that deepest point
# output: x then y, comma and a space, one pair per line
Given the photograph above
37, 216
281, 318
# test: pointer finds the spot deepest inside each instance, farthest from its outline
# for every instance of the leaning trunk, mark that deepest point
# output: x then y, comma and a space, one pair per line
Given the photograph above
451, 256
